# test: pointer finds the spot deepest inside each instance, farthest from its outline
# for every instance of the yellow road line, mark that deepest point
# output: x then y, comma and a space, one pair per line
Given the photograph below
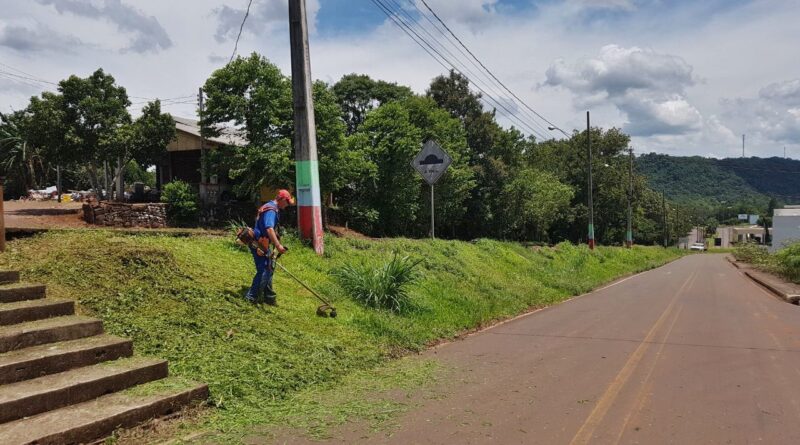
585, 433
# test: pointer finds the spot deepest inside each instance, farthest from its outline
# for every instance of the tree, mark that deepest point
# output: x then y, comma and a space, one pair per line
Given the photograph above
254, 95
539, 200
20, 161
93, 110
390, 137
357, 94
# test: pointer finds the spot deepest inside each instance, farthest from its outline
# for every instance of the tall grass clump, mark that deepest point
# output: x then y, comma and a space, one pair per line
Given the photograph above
382, 286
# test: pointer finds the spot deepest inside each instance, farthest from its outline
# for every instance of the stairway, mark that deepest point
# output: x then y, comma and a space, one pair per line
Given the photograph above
64, 381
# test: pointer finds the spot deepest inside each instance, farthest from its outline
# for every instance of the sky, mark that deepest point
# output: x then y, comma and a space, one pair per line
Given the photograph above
682, 77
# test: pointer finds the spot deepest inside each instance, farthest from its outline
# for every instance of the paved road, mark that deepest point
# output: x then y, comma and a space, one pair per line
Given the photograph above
691, 353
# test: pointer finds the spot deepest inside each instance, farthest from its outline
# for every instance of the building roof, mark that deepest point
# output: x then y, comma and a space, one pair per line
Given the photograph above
788, 211
227, 137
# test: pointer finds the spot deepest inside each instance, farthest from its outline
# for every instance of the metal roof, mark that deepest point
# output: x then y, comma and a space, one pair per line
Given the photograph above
228, 136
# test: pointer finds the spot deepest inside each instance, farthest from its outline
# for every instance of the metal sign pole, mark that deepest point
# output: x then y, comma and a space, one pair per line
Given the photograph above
433, 226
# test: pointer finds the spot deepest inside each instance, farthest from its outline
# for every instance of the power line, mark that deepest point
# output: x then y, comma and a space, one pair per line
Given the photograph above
236, 45
392, 15
484, 66
470, 56
464, 67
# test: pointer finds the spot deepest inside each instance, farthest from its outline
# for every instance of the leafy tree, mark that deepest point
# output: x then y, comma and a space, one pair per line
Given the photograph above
253, 94
93, 110
357, 94
20, 161
182, 203
539, 200
390, 137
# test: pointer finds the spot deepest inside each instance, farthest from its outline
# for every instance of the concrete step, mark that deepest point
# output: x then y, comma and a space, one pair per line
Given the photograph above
9, 276
38, 361
35, 396
10, 293
97, 419
51, 330
32, 310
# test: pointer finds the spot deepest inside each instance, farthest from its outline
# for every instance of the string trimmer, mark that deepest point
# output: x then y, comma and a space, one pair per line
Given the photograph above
326, 309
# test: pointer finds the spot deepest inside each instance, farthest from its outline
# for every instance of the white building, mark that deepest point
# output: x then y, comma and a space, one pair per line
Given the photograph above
785, 226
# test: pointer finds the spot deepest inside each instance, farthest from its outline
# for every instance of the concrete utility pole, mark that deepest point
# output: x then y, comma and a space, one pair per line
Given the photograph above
629, 231
309, 208
591, 202
664, 219
201, 106
2, 217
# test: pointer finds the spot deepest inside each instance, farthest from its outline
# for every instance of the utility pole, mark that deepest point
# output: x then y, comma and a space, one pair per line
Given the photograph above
742, 145
591, 202
664, 218
201, 106
58, 182
2, 217
309, 205
629, 231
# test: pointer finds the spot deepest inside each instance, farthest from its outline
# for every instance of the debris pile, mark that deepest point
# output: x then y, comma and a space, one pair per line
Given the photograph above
118, 214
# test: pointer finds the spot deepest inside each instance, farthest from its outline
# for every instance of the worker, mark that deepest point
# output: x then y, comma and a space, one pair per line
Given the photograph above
266, 236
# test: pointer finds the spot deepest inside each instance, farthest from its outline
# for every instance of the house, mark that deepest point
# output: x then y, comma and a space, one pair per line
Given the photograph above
726, 236
184, 155
785, 226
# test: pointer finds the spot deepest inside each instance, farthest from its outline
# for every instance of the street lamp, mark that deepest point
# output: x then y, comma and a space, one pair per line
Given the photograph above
590, 187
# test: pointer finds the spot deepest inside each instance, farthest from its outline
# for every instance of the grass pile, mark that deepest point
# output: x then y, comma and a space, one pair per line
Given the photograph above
181, 298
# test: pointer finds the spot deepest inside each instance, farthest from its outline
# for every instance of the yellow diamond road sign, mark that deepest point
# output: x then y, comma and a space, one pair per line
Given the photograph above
431, 162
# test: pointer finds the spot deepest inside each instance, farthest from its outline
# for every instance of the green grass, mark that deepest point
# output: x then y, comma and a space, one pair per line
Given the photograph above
181, 298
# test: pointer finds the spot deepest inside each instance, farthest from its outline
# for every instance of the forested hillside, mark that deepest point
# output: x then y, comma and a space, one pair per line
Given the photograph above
714, 181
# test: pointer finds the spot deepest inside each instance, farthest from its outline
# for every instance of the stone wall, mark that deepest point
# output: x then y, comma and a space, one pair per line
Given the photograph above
118, 214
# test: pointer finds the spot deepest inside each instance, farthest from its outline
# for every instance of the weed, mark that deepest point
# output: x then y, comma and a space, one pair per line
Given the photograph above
382, 286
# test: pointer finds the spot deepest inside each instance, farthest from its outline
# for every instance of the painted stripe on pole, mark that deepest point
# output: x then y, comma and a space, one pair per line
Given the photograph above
307, 176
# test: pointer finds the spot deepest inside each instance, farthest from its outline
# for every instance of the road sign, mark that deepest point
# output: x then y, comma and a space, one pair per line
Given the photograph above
431, 162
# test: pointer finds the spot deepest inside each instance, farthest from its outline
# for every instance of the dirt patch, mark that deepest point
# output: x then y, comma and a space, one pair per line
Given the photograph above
344, 232
42, 215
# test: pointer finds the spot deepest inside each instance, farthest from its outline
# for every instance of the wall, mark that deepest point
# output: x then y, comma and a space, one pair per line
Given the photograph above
784, 229
117, 214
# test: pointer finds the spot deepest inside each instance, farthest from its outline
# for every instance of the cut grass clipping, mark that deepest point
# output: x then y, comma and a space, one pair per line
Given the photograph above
384, 285
182, 299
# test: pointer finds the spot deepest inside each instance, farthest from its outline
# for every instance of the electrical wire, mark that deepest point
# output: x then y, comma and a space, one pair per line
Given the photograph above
484, 66
392, 15
236, 45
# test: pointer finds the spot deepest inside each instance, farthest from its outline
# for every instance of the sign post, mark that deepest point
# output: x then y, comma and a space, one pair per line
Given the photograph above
431, 162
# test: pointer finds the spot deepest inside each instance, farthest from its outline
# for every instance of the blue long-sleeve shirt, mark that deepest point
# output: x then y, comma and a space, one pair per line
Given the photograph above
266, 220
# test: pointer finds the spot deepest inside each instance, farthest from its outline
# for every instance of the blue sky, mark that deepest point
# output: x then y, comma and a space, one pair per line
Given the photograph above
683, 77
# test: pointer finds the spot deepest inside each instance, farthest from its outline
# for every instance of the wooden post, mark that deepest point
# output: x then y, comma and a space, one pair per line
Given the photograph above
2, 217
309, 205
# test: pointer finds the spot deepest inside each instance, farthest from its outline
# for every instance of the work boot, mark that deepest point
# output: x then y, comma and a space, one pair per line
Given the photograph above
271, 300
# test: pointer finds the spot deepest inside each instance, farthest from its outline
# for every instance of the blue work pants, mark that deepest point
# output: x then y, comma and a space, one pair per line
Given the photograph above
262, 281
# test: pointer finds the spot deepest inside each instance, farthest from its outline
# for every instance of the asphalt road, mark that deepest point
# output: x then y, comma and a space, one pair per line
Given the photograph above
690, 353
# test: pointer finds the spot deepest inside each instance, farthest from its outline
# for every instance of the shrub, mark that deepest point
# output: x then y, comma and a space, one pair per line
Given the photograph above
182, 206
788, 262
383, 286
752, 253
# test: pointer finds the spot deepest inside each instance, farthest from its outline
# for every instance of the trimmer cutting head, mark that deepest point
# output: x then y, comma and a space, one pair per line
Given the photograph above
326, 310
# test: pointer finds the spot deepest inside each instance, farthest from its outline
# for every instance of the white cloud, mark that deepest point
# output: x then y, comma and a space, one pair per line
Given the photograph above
148, 34
647, 86
266, 17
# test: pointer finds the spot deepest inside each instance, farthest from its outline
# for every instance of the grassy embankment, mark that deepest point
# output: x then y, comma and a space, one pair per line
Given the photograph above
181, 299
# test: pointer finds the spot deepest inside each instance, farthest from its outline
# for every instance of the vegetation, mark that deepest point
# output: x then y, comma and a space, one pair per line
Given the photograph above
80, 129
182, 299
182, 205
785, 262
383, 286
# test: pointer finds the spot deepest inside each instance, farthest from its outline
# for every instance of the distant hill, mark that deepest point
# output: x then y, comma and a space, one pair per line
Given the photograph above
712, 181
